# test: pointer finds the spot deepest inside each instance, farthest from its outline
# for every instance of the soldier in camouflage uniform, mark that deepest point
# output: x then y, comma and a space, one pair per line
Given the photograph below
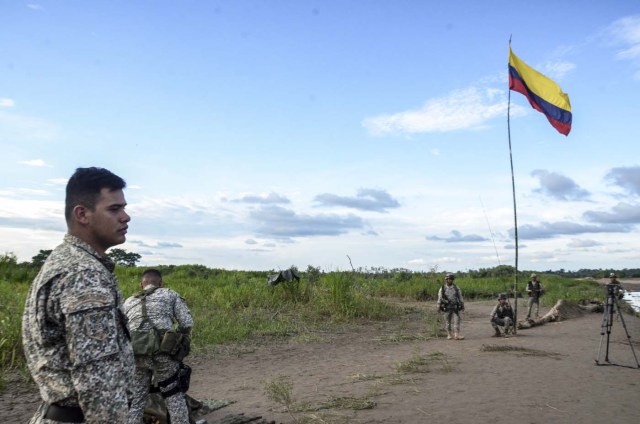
535, 291
502, 316
163, 307
451, 303
74, 330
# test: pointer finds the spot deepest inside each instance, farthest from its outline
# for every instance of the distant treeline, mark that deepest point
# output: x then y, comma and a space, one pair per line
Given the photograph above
130, 259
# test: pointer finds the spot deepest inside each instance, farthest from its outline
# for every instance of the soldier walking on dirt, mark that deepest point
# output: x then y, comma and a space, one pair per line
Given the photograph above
502, 316
74, 331
159, 351
535, 291
451, 303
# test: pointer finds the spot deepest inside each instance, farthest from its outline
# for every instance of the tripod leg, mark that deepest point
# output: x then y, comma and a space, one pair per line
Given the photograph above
604, 328
624, 325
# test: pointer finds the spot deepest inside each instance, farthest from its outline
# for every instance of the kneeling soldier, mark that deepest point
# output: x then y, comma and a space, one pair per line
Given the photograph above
502, 316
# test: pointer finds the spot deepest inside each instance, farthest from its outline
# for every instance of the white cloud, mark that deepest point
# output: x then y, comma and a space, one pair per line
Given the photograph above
625, 33
557, 70
5, 102
447, 260
34, 6
464, 109
35, 162
58, 181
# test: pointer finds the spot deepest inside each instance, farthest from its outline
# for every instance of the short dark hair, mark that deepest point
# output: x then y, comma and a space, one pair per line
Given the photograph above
85, 185
153, 272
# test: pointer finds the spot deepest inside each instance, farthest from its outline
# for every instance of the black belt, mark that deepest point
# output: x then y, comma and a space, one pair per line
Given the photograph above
67, 414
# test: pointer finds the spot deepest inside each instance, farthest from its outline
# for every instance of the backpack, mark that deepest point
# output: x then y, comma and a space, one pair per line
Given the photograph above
145, 342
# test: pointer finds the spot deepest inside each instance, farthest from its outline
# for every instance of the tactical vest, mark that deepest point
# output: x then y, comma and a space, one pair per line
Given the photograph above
451, 304
505, 311
145, 342
155, 341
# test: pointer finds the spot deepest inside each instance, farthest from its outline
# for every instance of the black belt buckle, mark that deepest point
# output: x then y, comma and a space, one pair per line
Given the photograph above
67, 414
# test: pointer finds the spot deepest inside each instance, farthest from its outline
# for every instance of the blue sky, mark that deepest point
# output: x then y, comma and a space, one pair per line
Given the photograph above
264, 134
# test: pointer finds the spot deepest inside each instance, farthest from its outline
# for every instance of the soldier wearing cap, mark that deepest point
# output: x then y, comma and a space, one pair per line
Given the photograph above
535, 291
502, 316
451, 303
74, 330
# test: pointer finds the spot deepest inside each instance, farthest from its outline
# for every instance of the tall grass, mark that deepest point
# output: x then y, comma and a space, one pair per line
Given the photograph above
230, 306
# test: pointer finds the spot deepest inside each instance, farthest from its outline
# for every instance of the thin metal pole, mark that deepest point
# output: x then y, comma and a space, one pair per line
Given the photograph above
515, 214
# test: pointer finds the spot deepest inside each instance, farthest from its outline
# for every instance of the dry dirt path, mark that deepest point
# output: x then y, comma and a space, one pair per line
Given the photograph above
552, 379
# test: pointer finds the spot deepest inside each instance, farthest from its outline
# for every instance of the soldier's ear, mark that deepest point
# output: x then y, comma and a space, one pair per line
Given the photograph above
80, 214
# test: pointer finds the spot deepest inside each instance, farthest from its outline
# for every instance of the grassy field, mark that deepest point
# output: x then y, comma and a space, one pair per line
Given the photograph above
230, 306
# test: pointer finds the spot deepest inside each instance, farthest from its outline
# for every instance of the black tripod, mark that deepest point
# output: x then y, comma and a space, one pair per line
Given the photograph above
607, 323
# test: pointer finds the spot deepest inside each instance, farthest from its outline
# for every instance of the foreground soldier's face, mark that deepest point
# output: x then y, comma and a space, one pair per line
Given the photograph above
109, 221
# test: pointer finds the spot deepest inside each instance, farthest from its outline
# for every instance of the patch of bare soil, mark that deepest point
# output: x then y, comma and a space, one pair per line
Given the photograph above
396, 372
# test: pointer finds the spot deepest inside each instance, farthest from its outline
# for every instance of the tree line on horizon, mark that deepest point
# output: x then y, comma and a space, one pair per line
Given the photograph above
125, 258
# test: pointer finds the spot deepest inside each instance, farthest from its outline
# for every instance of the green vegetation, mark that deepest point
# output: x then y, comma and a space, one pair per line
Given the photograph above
419, 363
235, 306
519, 350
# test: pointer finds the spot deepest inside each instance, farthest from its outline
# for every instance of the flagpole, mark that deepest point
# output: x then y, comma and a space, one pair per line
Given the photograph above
515, 214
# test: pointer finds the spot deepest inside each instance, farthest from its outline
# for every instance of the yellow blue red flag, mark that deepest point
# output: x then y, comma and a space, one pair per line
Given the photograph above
543, 94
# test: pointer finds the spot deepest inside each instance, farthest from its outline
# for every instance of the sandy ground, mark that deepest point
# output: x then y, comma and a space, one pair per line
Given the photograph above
549, 375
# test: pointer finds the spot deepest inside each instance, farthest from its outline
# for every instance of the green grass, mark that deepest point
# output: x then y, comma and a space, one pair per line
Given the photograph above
419, 363
236, 306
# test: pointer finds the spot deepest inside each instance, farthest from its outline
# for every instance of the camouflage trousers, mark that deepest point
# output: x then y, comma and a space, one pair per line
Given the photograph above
159, 368
452, 320
534, 302
505, 322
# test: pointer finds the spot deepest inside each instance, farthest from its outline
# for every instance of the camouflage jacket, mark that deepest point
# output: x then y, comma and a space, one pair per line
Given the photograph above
164, 307
502, 311
75, 335
450, 294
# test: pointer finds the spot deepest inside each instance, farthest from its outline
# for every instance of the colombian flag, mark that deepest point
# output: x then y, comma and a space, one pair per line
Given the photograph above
543, 94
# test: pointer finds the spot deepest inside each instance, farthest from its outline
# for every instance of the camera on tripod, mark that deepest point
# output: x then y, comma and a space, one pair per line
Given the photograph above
614, 291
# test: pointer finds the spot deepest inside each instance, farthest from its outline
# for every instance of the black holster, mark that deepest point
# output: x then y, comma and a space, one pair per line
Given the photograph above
66, 414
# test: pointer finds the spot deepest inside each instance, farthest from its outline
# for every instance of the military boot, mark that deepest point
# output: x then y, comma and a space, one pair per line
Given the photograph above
458, 336
449, 335
498, 334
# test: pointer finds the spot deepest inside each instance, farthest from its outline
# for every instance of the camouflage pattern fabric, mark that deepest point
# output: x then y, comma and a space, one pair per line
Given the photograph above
158, 368
164, 307
502, 316
156, 409
452, 315
75, 338
535, 290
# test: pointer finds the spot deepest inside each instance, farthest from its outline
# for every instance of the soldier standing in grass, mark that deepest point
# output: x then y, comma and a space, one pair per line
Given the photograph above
451, 303
535, 291
74, 330
502, 316
153, 311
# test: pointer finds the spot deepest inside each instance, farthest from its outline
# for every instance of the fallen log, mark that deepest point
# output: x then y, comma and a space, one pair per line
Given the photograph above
561, 311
